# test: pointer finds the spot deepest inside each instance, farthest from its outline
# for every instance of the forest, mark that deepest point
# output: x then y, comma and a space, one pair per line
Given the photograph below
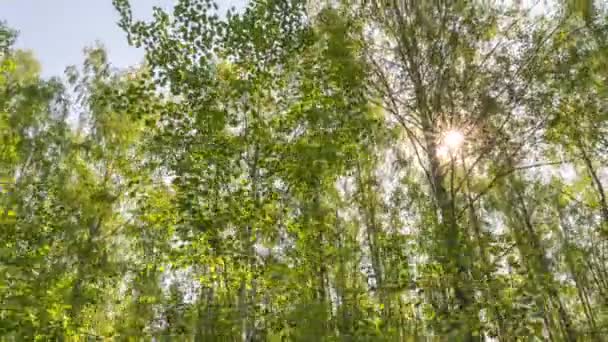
312, 170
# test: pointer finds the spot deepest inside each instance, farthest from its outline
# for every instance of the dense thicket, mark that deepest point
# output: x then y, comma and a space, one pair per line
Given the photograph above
313, 171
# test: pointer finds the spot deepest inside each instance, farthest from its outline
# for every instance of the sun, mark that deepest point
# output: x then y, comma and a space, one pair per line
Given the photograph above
453, 139
451, 142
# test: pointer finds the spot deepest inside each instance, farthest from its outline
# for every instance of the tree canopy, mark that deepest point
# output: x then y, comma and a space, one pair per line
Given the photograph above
313, 171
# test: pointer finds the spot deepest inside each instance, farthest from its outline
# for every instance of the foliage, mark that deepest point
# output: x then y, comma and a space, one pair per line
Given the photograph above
340, 171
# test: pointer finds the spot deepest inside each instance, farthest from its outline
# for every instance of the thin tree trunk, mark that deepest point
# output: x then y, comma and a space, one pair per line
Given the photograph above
246, 296
367, 205
574, 273
601, 194
542, 267
455, 255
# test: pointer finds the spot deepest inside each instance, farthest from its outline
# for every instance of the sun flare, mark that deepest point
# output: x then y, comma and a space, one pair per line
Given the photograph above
450, 142
453, 139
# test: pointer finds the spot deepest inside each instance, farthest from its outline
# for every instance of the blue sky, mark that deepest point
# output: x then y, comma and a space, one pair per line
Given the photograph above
58, 30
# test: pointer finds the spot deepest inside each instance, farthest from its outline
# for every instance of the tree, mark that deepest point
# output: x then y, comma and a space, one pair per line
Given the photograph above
378, 170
